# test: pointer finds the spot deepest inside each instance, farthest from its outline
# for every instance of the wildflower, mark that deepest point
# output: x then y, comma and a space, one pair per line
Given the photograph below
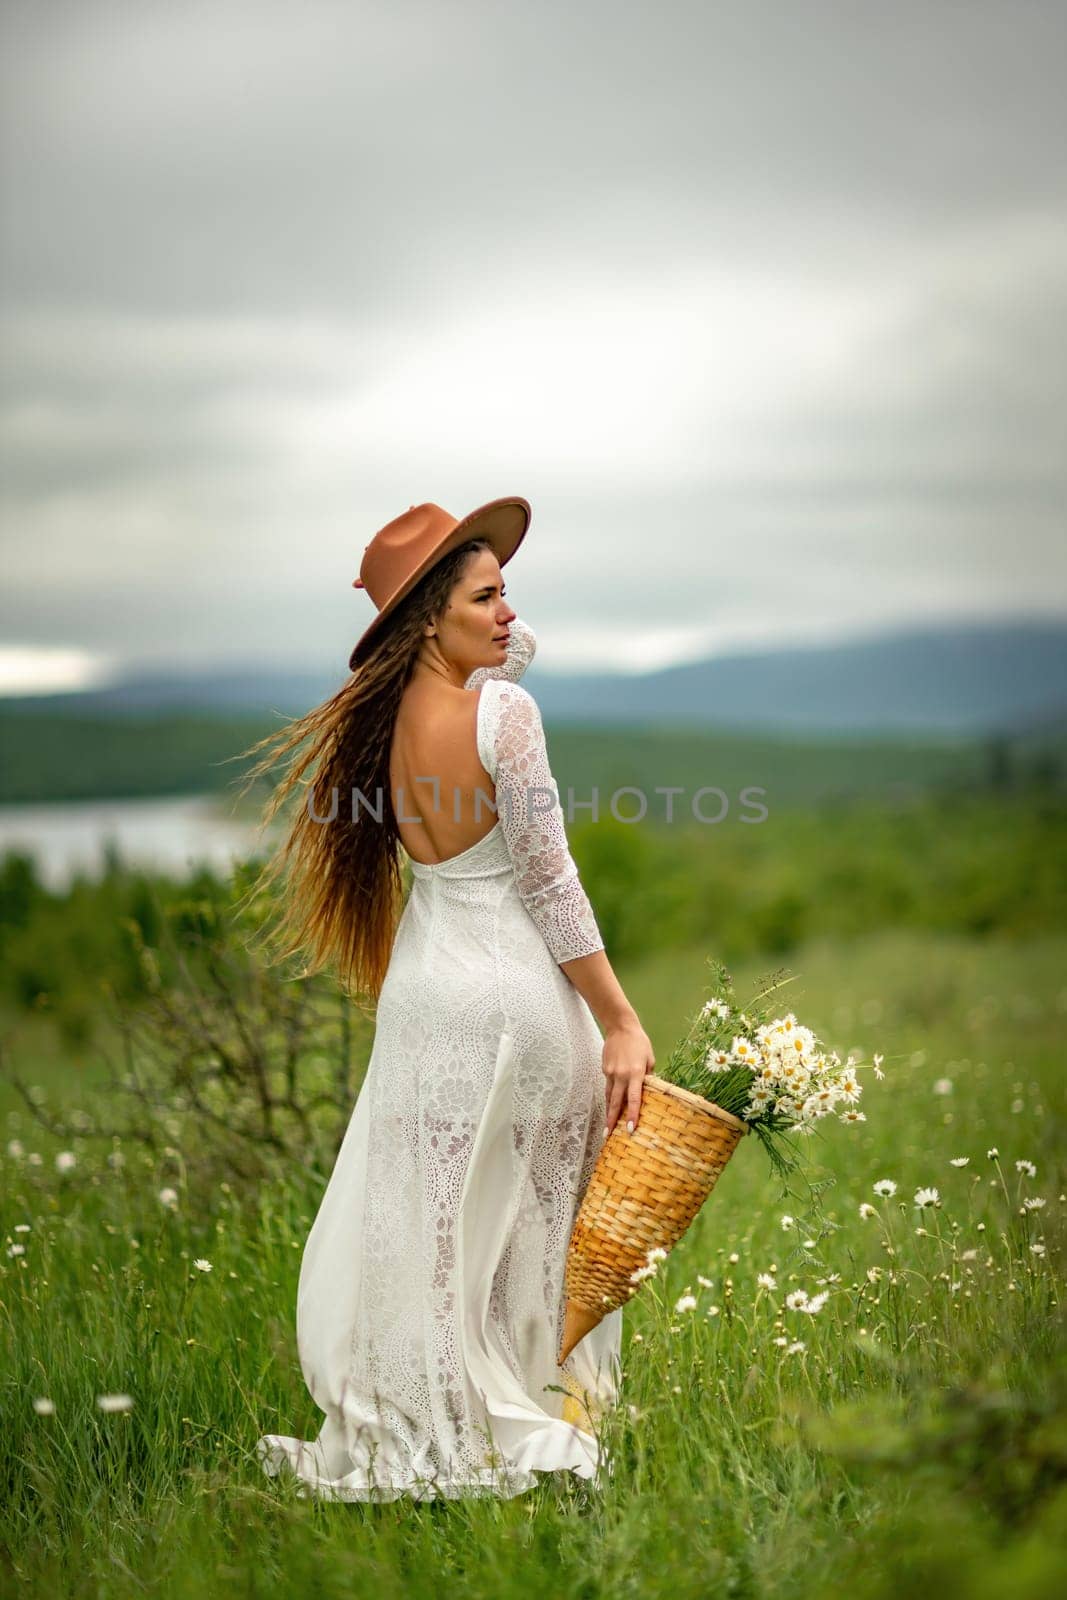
14, 1149
201, 1265
809, 1244
796, 1300
115, 1402
943, 1086
852, 1116
926, 1197
686, 1302
1037, 1249
705, 1283
1027, 1168
876, 1065
959, 1161
743, 1051
65, 1160
733, 1258
43, 1406
1035, 1204
717, 1008
712, 1311
767, 1281
816, 1303
656, 1253
639, 1274
993, 1155
168, 1197
23, 1227
16, 1249
781, 1340
788, 1223
886, 1188
797, 1348
867, 1210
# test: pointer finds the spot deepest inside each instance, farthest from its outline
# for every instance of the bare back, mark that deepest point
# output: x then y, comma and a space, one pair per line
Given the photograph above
436, 738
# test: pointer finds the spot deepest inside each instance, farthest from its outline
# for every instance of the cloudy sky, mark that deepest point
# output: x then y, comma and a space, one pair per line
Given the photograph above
762, 307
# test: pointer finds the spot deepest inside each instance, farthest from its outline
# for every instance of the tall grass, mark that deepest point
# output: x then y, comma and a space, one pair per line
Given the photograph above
911, 1432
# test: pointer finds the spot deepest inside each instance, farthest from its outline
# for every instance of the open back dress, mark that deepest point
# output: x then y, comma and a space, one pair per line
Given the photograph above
431, 1291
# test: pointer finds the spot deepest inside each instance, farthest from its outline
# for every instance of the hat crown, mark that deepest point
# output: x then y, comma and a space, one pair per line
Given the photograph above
401, 546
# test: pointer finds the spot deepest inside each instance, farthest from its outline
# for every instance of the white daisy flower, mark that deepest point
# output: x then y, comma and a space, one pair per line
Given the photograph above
959, 1161
66, 1160
705, 1283
115, 1402
926, 1197
796, 1299
867, 1210
23, 1227
993, 1154
639, 1274
168, 1197
877, 1066
1027, 1168
1035, 1204
656, 1253
685, 1302
788, 1223
43, 1406
852, 1115
797, 1348
886, 1188
1037, 1249
943, 1086
815, 1304
14, 1149
201, 1265
766, 1280
16, 1249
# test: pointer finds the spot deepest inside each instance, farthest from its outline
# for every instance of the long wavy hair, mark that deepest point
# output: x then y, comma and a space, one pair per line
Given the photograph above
344, 891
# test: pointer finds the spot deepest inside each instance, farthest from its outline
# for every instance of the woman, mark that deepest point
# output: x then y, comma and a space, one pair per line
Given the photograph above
431, 1290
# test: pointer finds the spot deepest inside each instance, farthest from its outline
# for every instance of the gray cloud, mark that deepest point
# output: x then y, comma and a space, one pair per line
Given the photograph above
760, 306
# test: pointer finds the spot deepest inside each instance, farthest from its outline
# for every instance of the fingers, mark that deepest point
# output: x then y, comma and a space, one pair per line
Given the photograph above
626, 1091
615, 1099
633, 1101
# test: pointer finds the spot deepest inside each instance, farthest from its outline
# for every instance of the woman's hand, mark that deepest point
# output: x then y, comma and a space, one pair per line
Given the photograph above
628, 1055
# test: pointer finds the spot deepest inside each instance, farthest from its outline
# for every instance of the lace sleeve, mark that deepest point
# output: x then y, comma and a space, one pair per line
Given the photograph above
531, 819
521, 649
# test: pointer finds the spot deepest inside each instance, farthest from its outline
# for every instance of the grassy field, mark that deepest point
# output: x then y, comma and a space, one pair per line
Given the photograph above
912, 1432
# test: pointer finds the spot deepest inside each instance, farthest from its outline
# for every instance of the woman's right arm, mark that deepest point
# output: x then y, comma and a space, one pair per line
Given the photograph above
628, 1053
552, 892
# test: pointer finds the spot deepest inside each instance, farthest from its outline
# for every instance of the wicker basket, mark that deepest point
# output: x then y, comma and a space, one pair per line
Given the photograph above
645, 1190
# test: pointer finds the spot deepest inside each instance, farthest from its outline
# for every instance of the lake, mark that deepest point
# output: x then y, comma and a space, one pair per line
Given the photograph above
175, 833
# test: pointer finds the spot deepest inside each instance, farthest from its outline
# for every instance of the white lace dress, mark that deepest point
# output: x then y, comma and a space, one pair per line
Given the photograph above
431, 1291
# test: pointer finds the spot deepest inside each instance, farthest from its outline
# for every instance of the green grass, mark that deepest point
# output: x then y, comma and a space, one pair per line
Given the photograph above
918, 1439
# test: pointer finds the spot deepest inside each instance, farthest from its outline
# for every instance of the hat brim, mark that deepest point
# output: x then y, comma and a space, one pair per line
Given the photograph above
502, 522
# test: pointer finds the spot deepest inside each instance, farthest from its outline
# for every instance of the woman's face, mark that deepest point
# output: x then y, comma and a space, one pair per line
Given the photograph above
472, 630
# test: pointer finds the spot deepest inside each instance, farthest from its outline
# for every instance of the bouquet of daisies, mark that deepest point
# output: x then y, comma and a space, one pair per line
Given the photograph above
771, 1071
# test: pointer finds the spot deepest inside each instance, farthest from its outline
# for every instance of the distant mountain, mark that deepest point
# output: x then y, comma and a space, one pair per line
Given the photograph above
966, 679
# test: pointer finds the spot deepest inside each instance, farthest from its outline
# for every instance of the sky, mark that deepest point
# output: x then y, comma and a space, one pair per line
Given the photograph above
762, 307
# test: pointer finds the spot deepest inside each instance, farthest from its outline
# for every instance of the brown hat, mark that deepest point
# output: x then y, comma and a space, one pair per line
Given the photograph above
406, 548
